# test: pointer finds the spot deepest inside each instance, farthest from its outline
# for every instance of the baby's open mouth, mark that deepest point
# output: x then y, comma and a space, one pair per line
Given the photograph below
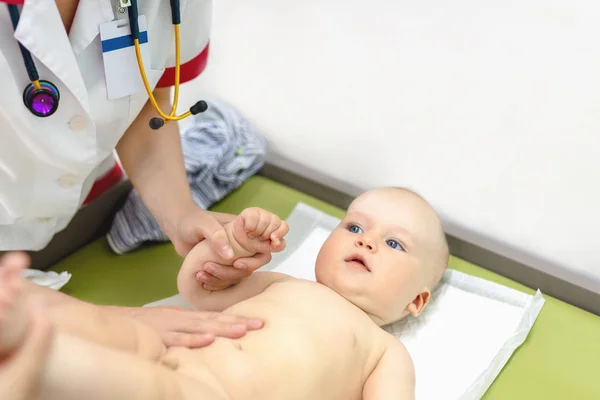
358, 261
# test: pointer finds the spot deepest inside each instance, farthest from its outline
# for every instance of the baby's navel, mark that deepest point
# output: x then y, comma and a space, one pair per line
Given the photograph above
171, 363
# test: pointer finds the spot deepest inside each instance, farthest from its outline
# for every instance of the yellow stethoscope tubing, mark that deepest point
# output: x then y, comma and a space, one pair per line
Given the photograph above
138, 54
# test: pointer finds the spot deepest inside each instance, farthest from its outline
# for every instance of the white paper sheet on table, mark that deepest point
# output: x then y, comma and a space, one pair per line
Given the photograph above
460, 342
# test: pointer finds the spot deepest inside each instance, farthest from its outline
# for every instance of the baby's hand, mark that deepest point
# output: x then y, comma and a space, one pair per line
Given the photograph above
254, 234
266, 226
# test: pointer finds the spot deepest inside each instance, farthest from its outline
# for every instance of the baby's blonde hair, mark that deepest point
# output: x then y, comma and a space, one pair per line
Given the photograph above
440, 256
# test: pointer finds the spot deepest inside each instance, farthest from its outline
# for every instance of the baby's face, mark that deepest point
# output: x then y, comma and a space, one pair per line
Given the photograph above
376, 258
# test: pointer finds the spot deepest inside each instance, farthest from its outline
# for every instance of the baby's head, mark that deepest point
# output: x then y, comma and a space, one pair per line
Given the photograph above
387, 255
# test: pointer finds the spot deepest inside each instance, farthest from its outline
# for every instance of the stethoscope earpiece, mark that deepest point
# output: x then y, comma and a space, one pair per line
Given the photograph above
199, 107
156, 123
43, 100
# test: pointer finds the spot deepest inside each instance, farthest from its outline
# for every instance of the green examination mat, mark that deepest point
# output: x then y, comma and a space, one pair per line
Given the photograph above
560, 359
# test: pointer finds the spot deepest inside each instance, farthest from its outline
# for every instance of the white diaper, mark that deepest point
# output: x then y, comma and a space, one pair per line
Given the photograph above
461, 341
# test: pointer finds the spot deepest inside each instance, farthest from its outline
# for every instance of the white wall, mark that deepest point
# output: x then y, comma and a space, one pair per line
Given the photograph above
490, 109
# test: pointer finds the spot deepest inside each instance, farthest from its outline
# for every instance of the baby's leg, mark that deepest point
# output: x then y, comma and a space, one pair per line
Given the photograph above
96, 325
13, 322
77, 369
92, 322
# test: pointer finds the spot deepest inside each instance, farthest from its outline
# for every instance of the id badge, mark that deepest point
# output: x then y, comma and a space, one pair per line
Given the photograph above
121, 69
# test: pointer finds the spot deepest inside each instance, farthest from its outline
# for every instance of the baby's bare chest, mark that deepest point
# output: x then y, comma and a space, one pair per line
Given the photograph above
309, 310
313, 345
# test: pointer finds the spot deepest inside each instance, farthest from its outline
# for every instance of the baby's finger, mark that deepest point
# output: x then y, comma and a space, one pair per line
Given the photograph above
222, 276
205, 277
263, 223
278, 246
251, 217
251, 264
274, 224
281, 231
225, 272
213, 288
15, 260
207, 280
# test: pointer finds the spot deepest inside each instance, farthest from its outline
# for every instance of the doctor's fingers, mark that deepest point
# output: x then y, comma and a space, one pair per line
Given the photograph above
20, 376
197, 321
202, 331
189, 340
214, 232
216, 327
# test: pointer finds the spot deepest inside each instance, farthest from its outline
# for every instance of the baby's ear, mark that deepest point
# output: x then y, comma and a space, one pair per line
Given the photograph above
416, 307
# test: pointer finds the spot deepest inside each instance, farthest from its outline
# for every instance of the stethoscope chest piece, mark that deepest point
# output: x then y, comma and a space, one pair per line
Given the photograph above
42, 101
40, 97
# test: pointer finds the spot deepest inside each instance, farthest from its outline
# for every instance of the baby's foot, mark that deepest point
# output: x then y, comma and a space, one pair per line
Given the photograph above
13, 312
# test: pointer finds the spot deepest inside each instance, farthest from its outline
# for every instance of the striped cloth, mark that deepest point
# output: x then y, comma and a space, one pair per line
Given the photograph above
221, 150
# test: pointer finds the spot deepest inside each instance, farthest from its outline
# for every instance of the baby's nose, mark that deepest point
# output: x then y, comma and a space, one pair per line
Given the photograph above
365, 243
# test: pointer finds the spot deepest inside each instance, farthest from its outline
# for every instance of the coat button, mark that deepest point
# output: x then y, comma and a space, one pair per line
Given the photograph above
68, 180
77, 123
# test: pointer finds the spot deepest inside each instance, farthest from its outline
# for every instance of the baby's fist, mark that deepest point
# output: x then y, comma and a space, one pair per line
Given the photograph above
262, 224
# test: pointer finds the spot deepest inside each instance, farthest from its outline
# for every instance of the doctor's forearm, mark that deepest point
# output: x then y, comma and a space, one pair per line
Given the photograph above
153, 161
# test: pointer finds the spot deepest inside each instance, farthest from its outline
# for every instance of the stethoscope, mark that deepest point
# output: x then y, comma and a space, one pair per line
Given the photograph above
41, 97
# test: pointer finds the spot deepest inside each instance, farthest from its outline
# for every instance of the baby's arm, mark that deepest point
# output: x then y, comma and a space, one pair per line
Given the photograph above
393, 376
244, 244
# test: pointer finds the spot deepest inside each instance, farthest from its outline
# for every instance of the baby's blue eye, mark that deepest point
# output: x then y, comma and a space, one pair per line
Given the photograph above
354, 229
394, 244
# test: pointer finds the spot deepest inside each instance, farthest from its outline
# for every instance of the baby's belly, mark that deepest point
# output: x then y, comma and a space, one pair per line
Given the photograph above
289, 358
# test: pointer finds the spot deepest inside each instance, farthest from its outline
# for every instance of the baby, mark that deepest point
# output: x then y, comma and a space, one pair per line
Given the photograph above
320, 340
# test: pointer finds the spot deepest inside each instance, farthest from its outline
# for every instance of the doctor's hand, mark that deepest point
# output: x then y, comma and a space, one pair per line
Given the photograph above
179, 327
196, 224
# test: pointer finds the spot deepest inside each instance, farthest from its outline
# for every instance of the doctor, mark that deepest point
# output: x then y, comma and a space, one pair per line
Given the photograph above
75, 87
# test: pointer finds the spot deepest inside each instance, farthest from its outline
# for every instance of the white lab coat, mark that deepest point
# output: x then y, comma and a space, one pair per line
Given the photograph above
49, 165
